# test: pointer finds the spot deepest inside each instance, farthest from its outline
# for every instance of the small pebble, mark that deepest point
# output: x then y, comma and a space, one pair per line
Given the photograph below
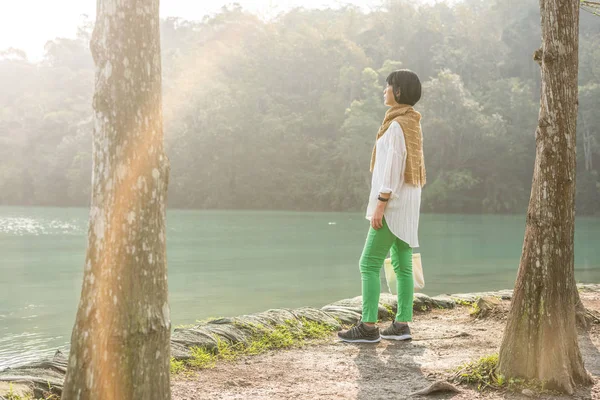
528, 393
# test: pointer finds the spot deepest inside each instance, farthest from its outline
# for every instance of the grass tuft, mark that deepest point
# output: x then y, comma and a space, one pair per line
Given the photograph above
11, 395
483, 374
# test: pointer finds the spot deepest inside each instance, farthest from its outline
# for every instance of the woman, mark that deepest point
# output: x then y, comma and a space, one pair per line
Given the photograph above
398, 169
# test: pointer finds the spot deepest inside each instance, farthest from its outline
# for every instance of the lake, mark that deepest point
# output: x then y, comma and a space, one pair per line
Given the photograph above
226, 263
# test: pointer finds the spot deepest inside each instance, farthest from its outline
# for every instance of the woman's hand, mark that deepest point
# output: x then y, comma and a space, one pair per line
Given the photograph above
377, 219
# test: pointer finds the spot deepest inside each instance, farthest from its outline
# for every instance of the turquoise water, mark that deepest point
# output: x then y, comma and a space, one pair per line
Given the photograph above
225, 263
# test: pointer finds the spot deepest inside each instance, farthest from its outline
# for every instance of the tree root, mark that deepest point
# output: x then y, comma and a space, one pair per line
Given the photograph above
585, 318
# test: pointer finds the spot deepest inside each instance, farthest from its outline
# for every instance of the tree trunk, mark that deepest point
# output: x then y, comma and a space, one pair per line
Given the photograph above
120, 346
540, 340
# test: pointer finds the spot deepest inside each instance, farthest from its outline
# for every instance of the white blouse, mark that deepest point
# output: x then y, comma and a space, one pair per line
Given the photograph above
402, 210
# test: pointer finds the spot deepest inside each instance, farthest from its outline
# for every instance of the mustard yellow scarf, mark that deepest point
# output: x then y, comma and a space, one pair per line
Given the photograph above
410, 121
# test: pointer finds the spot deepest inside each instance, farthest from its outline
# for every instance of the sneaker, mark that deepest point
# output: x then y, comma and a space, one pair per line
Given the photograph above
396, 332
360, 333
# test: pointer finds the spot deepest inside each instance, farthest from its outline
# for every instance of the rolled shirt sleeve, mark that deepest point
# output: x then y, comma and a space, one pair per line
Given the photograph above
395, 163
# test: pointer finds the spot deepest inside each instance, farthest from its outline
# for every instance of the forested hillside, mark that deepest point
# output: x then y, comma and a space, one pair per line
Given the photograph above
282, 114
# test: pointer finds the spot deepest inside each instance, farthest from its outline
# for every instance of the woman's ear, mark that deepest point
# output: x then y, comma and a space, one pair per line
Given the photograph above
397, 94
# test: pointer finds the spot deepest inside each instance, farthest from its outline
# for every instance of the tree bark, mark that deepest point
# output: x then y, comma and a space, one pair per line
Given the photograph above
540, 340
120, 345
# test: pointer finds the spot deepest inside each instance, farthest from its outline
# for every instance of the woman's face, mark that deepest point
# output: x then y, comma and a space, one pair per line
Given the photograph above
388, 96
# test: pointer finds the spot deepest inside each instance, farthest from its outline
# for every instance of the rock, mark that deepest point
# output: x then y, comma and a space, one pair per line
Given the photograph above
422, 302
41, 378
354, 302
589, 287
464, 298
348, 316
505, 294
387, 302
439, 386
443, 301
180, 351
315, 315
528, 393
244, 328
485, 305
185, 339
473, 297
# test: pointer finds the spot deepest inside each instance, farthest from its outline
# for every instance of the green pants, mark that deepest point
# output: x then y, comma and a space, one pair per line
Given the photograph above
378, 244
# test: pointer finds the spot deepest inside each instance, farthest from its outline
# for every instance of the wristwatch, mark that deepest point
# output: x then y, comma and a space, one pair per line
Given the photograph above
383, 199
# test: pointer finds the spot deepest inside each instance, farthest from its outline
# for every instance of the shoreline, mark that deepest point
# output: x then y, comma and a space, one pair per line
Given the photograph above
264, 210
36, 376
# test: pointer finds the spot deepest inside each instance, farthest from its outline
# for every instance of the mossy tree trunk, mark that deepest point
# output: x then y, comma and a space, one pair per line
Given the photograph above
120, 345
540, 340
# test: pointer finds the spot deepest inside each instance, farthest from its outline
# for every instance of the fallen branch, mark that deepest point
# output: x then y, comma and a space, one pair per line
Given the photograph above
593, 316
462, 334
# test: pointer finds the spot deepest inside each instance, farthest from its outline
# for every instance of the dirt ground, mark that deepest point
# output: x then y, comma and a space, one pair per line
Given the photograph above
442, 340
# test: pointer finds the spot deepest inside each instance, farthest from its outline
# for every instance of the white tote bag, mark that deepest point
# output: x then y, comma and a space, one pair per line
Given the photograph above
417, 268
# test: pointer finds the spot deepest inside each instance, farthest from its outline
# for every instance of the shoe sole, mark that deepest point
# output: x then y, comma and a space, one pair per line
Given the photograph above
399, 337
361, 340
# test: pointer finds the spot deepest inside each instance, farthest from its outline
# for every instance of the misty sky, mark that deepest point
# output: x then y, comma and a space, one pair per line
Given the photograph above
28, 24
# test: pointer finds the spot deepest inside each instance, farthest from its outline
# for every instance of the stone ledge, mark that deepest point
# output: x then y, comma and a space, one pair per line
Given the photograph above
239, 329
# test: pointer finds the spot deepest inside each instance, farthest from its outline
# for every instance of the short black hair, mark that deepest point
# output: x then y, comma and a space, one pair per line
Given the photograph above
409, 85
